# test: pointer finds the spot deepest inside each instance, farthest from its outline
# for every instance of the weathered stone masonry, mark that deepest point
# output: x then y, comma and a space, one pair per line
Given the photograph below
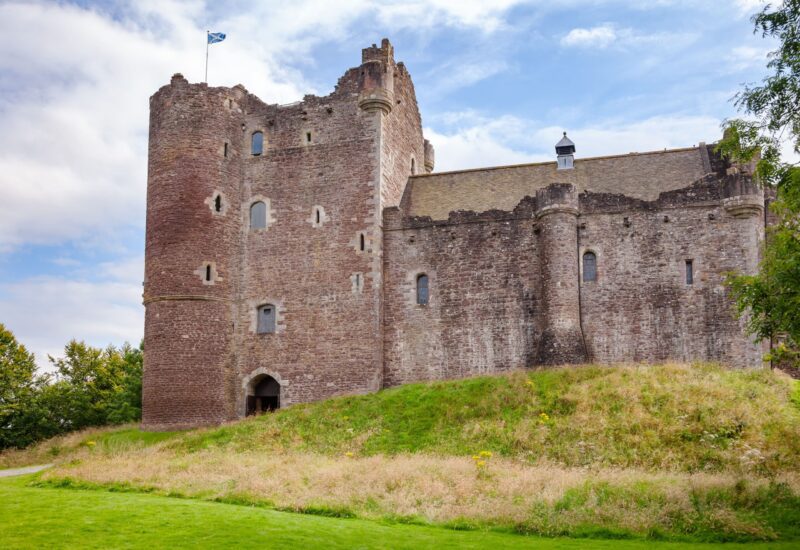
354, 216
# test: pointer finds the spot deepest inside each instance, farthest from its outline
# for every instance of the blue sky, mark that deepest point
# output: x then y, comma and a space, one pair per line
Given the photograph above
497, 82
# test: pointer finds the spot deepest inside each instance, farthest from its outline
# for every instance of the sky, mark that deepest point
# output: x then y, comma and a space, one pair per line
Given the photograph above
497, 82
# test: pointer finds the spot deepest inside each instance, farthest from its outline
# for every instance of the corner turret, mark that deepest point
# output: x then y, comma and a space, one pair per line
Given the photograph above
377, 78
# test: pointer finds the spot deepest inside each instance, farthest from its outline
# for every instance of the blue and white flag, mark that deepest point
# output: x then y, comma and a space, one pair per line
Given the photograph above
214, 37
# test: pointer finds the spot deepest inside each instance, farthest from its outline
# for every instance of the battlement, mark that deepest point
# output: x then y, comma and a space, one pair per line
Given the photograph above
384, 53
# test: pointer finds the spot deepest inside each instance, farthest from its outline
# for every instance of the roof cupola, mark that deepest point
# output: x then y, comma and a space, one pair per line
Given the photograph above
565, 149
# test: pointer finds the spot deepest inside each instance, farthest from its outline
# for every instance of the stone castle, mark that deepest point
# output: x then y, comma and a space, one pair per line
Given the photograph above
296, 252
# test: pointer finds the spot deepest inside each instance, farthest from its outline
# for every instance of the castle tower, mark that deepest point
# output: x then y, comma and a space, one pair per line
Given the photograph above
557, 214
191, 254
263, 283
743, 204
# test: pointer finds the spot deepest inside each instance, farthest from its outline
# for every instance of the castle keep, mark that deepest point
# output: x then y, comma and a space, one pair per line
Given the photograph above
296, 252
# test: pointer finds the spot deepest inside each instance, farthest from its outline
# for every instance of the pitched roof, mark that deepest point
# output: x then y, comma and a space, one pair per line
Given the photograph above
637, 175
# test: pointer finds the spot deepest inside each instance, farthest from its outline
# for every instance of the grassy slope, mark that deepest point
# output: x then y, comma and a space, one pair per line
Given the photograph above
701, 418
669, 451
59, 518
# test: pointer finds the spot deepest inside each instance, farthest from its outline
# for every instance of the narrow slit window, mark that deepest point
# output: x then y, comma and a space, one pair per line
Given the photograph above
422, 289
589, 267
257, 143
308, 137
218, 203
317, 215
361, 242
689, 272
225, 150
258, 215
413, 167
208, 272
266, 319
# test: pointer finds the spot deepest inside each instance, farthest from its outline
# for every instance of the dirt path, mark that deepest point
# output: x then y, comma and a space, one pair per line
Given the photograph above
22, 471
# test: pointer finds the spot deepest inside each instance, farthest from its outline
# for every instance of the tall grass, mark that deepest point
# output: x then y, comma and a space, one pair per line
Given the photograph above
674, 451
676, 417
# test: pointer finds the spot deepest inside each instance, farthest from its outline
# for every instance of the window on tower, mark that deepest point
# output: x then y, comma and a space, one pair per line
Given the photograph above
258, 215
589, 267
422, 289
266, 319
257, 143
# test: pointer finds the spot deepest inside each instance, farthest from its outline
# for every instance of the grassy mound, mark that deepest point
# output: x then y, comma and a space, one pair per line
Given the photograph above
674, 451
675, 417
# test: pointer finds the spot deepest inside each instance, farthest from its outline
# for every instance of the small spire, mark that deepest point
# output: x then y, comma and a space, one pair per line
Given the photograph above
565, 146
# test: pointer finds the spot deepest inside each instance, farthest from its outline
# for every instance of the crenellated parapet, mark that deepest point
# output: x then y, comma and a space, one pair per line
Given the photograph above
742, 196
376, 78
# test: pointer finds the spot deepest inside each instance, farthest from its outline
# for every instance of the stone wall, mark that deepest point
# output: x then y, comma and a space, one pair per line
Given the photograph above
641, 308
189, 361
329, 165
506, 289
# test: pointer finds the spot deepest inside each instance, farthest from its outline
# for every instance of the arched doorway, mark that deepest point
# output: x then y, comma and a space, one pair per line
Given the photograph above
263, 395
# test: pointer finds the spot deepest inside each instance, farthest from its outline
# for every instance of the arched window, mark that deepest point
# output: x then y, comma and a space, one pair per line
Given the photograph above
258, 215
422, 289
208, 272
589, 266
362, 245
266, 319
257, 143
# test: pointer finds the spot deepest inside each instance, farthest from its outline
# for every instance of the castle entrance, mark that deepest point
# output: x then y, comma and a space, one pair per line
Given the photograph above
264, 395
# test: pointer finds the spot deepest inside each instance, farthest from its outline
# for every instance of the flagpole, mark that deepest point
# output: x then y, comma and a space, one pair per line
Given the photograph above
206, 80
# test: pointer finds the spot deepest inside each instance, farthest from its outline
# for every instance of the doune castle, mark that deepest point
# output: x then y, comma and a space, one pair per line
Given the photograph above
296, 252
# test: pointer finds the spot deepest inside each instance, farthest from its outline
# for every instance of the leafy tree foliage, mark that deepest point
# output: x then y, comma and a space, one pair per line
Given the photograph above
90, 387
772, 297
18, 386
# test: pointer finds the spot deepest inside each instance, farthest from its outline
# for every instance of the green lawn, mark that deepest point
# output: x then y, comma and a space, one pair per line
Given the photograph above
58, 518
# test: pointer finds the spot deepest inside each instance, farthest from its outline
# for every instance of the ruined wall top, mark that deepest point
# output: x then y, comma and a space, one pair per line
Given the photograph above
384, 53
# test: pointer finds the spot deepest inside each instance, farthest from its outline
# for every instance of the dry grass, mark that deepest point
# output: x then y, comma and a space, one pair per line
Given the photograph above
543, 498
671, 450
56, 449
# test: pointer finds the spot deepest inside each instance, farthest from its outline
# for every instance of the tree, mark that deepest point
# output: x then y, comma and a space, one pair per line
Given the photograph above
18, 385
90, 387
98, 386
771, 298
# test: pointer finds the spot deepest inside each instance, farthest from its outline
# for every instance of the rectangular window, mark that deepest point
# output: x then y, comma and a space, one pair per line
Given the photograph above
266, 319
689, 272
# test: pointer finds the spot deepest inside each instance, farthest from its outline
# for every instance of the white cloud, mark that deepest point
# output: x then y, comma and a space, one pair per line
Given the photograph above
596, 37
73, 146
608, 35
478, 142
47, 312
745, 57
485, 16
747, 7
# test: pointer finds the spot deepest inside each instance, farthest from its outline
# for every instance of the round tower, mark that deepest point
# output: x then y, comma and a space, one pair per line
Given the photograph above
191, 254
557, 214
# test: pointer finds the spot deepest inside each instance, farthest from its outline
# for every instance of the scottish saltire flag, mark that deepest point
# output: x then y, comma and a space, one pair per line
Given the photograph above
214, 37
